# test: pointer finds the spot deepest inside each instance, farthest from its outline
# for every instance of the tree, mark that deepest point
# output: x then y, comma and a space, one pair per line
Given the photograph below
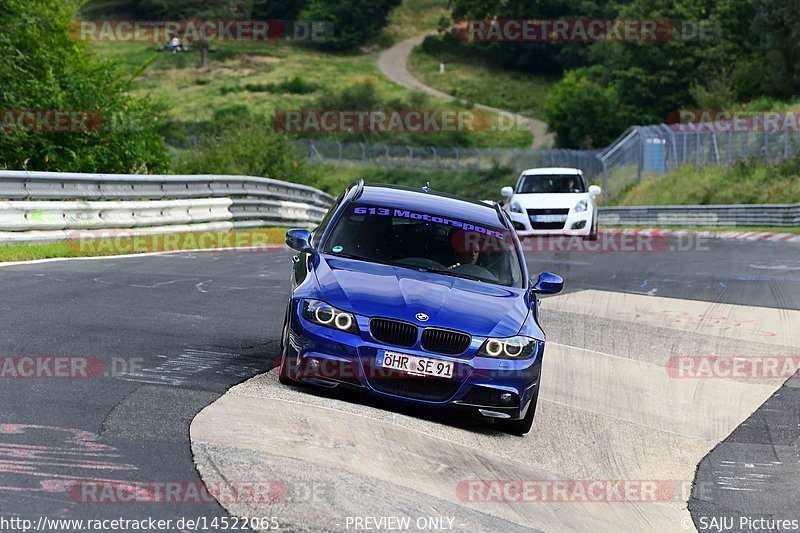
234, 146
45, 70
353, 21
775, 38
583, 113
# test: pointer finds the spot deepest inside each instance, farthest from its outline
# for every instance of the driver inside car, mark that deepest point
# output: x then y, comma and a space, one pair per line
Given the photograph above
468, 256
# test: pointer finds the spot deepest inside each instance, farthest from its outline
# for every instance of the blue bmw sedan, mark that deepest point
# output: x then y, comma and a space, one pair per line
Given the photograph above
417, 297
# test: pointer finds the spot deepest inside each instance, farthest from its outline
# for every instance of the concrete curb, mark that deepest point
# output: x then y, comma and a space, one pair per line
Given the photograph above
611, 411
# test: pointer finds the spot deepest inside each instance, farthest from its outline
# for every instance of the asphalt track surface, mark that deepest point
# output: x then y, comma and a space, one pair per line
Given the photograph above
176, 331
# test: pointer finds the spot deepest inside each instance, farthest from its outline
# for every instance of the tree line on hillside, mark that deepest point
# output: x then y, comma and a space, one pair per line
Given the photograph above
354, 22
753, 54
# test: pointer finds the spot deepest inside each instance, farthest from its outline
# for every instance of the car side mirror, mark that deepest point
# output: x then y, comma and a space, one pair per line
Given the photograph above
299, 239
507, 192
595, 190
548, 283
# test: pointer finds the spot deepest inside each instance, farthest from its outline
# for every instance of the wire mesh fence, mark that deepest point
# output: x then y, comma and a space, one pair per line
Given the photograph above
445, 158
645, 152
642, 152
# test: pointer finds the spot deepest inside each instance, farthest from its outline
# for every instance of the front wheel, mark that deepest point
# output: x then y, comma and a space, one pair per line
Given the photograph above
284, 374
592, 233
522, 426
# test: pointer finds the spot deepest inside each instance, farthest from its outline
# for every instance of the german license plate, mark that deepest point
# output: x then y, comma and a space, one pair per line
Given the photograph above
549, 218
414, 364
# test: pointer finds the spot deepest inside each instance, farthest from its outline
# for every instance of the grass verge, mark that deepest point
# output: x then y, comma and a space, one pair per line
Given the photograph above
470, 79
124, 245
747, 182
413, 17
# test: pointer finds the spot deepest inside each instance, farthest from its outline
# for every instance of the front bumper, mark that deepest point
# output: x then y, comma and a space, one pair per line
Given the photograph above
329, 358
576, 223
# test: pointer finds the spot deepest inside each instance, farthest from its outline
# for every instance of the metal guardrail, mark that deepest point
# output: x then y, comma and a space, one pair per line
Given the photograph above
23, 185
47, 206
777, 215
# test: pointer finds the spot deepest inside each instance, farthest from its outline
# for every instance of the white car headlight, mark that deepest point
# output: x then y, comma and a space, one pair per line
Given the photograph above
508, 348
516, 208
581, 206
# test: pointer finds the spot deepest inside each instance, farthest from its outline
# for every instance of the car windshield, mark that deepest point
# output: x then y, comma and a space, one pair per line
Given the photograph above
555, 183
426, 241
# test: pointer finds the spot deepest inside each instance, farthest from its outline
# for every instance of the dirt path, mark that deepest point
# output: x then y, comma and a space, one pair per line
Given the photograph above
393, 62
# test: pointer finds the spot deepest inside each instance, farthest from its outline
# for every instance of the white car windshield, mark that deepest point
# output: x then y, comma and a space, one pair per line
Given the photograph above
556, 183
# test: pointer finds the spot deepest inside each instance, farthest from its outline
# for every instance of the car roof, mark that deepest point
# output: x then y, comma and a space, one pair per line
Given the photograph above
551, 170
432, 202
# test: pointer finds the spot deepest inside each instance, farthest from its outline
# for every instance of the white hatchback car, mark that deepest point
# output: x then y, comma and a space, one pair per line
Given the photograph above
553, 201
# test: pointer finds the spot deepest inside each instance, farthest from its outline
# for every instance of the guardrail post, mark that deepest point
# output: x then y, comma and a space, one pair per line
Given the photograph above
339, 146
363, 151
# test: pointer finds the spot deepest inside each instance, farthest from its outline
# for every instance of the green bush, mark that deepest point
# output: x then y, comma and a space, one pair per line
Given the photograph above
296, 85
244, 146
353, 22
583, 113
228, 89
362, 94
43, 67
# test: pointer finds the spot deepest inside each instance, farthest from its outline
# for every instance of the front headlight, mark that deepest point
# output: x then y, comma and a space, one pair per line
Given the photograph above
583, 205
516, 208
326, 315
508, 348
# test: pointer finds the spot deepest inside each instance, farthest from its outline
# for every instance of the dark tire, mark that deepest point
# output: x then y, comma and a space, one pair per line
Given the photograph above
522, 426
593, 233
284, 373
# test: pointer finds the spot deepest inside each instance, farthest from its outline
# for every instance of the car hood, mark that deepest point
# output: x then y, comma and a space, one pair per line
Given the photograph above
549, 201
373, 289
